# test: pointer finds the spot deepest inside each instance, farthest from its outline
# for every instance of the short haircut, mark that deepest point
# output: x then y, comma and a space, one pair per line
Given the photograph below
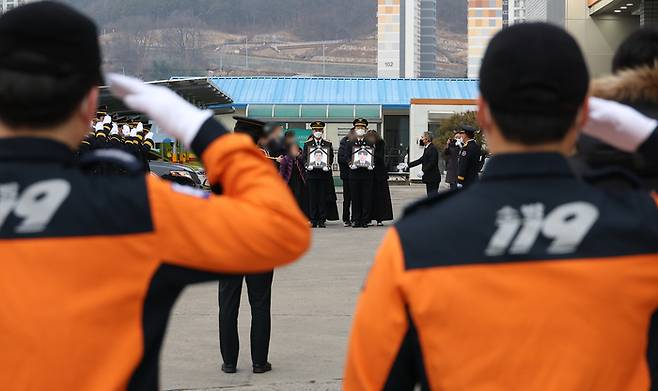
428, 136
289, 134
533, 129
639, 49
39, 100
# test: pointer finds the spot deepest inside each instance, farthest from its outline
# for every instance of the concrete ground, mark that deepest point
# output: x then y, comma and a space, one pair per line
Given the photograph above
312, 305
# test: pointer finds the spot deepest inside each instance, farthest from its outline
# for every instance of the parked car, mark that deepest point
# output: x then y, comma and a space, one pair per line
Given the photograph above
179, 173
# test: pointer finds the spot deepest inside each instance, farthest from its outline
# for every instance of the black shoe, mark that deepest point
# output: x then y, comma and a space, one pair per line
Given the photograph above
314, 225
347, 224
262, 368
322, 225
229, 368
355, 225
364, 225
380, 224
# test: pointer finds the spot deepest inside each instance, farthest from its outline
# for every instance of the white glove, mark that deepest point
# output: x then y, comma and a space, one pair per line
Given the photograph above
98, 127
618, 125
133, 132
310, 168
421, 174
139, 127
115, 130
107, 120
173, 114
325, 168
371, 168
149, 136
460, 186
353, 167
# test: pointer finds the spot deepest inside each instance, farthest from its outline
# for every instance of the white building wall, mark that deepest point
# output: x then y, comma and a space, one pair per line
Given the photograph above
412, 39
598, 36
419, 120
388, 38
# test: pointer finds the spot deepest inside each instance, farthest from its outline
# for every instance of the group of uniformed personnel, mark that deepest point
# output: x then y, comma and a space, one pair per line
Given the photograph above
116, 137
366, 196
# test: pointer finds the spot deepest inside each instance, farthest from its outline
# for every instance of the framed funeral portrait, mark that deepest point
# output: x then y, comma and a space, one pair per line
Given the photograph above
318, 157
363, 157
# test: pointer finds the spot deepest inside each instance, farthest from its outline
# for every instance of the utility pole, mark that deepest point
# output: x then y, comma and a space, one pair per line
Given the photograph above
246, 52
324, 60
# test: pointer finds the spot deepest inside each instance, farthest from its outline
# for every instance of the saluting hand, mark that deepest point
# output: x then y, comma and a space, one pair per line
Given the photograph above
618, 125
173, 114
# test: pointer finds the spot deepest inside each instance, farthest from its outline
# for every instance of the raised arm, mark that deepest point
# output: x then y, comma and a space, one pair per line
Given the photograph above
254, 226
623, 127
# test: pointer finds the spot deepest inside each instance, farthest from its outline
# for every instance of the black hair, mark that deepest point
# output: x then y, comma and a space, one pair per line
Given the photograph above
533, 129
289, 133
639, 49
31, 100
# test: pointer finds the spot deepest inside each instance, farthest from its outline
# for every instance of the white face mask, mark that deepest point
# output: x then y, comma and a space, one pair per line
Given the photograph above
317, 135
360, 132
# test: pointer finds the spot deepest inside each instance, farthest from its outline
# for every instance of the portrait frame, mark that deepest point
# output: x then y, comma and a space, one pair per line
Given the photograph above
318, 157
363, 157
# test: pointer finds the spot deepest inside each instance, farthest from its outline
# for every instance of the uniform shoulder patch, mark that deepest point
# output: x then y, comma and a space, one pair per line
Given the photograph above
428, 202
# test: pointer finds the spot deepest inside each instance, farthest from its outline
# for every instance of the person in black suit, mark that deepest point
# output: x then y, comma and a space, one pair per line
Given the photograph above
430, 164
259, 290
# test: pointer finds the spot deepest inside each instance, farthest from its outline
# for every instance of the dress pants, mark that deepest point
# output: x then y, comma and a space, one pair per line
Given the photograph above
317, 195
259, 290
432, 188
347, 201
362, 190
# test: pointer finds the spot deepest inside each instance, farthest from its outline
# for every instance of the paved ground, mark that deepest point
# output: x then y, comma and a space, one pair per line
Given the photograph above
313, 301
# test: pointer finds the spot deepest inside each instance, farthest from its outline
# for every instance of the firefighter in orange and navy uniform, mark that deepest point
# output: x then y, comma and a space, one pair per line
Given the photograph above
553, 288
92, 265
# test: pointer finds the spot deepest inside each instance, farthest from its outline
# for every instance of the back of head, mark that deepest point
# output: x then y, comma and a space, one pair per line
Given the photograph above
638, 50
49, 61
535, 80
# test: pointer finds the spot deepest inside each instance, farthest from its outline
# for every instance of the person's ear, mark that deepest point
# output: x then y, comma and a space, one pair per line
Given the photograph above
89, 105
583, 115
572, 135
484, 117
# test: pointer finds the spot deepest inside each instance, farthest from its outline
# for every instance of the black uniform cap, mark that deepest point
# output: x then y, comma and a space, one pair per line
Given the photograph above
534, 68
50, 38
252, 127
360, 122
318, 125
468, 129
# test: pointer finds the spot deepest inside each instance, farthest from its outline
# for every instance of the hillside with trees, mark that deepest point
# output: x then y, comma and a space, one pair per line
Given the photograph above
155, 39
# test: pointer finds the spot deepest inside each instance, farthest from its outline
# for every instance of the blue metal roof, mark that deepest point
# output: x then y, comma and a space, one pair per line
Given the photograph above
306, 90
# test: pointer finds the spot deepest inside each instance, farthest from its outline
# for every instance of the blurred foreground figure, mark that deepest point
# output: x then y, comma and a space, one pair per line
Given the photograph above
556, 284
634, 82
91, 265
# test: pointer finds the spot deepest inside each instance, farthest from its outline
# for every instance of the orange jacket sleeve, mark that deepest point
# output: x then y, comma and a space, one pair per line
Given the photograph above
381, 326
254, 226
